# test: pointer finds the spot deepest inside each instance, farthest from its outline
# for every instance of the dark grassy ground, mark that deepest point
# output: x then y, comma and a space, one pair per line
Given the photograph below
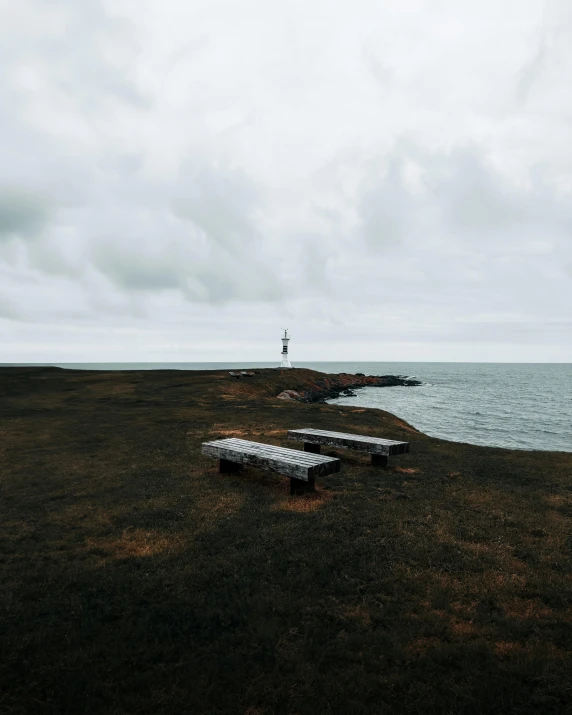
136, 579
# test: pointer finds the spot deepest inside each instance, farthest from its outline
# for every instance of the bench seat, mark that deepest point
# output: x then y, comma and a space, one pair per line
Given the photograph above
301, 467
380, 449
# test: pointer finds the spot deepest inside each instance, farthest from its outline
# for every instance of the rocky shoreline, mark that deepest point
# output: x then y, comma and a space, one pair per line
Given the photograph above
343, 385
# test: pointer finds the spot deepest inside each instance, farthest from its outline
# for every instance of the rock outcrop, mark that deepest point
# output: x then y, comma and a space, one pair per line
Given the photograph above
330, 387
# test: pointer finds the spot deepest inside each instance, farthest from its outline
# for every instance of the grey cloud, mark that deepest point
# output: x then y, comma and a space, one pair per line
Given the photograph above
222, 203
22, 213
479, 204
67, 43
250, 281
386, 206
549, 66
218, 278
525, 331
52, 260
461, 197
379, 71
204, 243
312, 258
159, 208
7, 310
531, 72
186, 52
472, 197
134, 268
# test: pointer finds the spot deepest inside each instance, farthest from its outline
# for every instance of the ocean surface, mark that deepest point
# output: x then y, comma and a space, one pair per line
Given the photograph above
514, 405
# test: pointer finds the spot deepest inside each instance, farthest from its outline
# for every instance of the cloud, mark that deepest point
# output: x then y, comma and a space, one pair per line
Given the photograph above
360, 171
7, 310
22, 214
531, 71
201, 237
379, 71
76, 54
387, 206
459, 198
220, 203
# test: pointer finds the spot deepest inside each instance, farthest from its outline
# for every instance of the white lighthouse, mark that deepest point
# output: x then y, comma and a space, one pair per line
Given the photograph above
285, 362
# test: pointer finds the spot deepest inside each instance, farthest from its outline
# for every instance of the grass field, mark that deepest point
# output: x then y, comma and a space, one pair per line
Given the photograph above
137, 579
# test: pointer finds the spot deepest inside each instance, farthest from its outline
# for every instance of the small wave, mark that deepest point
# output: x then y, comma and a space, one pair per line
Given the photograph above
483, 404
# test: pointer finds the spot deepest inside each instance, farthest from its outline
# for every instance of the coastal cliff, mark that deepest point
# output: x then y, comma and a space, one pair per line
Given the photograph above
332, 386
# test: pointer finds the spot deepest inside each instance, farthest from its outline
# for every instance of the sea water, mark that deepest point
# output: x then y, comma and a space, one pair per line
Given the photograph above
514, 405
519, 406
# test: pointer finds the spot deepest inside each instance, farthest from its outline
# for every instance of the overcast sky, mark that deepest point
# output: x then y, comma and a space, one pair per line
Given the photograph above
181, 179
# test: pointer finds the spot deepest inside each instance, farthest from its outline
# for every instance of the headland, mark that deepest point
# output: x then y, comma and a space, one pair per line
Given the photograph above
137, 579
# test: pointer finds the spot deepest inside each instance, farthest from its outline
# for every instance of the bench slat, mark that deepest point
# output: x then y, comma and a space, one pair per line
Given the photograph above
283, 453
287, 455
373, 445
290, 462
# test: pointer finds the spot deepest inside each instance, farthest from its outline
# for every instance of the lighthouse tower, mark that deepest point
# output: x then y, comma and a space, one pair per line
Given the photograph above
285, 362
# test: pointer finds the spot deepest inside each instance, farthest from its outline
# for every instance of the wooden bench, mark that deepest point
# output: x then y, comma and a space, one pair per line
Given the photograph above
380, 449
301, 467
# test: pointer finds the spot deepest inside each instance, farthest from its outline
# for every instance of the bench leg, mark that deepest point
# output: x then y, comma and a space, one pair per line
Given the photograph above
225, 466
309, 447
298, 486
379, 460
